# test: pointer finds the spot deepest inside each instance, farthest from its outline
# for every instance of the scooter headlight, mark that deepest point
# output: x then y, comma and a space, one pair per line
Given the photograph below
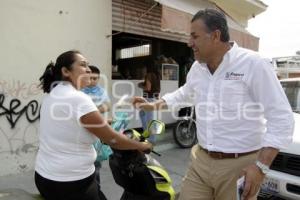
132, 134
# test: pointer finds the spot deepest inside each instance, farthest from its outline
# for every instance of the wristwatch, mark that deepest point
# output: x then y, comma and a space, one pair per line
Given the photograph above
263, 168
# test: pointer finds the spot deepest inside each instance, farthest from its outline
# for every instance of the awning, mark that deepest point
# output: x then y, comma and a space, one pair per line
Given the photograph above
240, 10
187, 6
125, 18
170, 20
177, 15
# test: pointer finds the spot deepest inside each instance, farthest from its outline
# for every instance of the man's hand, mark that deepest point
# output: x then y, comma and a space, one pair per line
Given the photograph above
253, 179
253, 175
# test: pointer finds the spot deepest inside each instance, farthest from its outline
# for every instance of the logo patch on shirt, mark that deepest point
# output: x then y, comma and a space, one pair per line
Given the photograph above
233, 76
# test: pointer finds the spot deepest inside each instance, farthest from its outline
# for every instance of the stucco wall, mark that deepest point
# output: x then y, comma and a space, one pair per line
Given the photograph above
32, 33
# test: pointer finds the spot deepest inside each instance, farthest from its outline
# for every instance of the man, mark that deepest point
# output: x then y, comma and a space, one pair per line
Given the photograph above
243, 116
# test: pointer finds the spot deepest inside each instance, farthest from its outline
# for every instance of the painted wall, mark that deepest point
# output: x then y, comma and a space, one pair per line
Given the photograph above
32, 33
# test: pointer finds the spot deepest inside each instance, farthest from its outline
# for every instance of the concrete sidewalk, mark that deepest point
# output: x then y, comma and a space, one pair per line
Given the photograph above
174, 159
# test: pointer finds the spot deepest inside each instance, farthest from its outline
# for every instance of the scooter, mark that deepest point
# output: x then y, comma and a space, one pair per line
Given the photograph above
141, 176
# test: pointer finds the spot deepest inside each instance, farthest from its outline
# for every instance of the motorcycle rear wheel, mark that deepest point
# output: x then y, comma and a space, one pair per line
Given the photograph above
183, 136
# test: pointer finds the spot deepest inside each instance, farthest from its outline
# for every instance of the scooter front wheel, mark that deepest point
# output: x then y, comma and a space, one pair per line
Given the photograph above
185, 133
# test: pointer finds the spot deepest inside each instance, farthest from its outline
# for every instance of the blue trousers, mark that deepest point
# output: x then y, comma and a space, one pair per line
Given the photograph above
146, 117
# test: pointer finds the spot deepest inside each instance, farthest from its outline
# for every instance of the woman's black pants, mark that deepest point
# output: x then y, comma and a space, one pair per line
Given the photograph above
84, 189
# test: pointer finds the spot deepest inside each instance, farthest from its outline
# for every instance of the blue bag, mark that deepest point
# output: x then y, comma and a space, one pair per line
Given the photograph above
120, 122
103, 151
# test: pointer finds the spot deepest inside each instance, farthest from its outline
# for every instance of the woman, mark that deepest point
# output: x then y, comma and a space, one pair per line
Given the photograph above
69, 125
151, 90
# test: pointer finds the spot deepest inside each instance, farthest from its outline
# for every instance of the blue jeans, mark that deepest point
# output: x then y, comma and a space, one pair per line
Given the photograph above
146, 117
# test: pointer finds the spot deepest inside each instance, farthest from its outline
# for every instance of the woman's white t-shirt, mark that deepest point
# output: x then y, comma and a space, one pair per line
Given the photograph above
66, 151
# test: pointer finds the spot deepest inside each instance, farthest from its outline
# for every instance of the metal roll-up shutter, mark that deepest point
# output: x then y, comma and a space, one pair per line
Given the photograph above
126, 12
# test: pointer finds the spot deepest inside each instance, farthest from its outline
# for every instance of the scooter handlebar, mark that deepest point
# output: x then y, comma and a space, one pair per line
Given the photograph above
156, 153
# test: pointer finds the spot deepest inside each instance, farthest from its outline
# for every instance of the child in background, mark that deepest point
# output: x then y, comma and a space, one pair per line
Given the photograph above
96, 92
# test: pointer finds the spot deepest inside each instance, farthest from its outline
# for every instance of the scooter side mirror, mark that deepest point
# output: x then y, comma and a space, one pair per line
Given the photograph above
155, 127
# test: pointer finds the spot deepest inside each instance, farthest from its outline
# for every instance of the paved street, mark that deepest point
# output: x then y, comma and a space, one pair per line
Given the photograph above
174, 159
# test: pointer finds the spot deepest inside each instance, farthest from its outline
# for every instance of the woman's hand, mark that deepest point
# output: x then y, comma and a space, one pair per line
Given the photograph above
146, 147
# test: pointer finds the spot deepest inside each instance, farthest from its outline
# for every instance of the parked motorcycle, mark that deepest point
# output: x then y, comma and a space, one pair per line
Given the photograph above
141, 176
185, 131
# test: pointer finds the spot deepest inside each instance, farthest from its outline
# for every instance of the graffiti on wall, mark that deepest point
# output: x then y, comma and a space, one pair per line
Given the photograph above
20, 134
15, 110
18, 89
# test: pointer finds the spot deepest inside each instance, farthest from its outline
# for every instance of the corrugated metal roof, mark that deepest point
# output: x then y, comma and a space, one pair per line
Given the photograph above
126, 18
126, 12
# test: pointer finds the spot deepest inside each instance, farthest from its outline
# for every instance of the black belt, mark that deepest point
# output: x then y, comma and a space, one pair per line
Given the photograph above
221, 155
